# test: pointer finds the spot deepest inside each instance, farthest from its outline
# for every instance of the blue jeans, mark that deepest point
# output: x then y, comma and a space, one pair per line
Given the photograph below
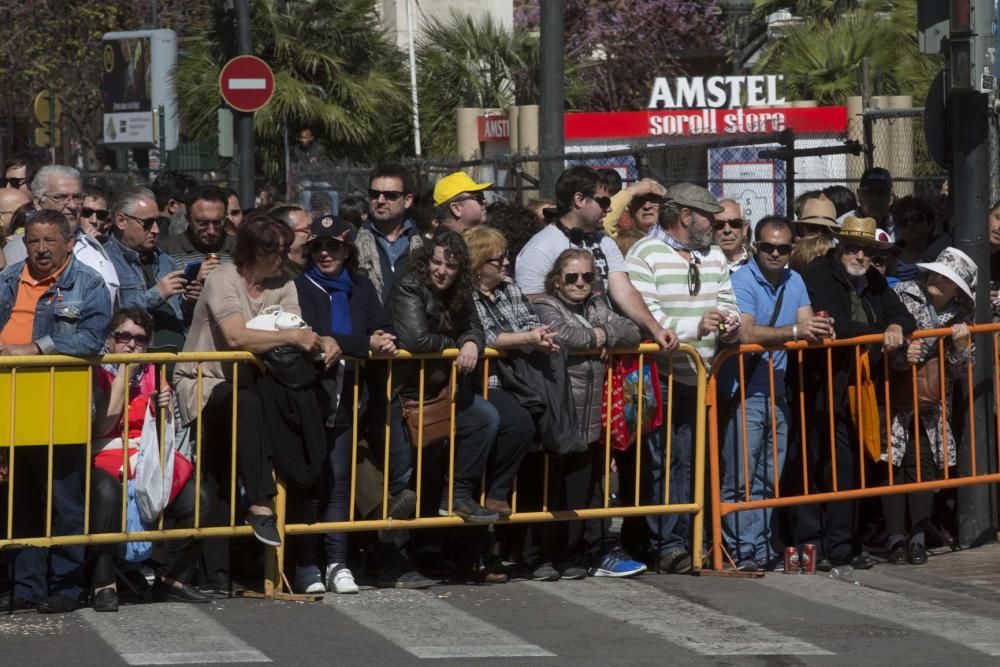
670, 532
746, 533
476, 426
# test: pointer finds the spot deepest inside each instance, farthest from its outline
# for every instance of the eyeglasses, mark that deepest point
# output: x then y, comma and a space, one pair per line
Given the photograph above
123, 337
202, 224
854, 249
63, 198
735, 223
498, 261
13, 182
770, 248
694, 276
603, 202
147, 223
571, 278
102, 214
390, 195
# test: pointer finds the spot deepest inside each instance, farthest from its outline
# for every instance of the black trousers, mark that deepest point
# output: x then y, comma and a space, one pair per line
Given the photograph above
514, 434
253, 449
921, 503
105, 517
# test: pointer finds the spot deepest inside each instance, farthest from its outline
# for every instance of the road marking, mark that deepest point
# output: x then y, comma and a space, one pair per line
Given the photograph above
424, 626
966, 629
170, 634
679, 621
246, 84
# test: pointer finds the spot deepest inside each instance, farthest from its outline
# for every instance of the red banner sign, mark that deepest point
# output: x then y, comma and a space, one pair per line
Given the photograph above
696, 122
494, 129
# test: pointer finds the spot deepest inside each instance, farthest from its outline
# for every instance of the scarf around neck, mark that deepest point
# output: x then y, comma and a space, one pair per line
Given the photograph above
338, 288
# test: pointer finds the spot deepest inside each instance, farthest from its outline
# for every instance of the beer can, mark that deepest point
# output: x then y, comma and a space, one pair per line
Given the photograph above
807, 561
211, 255
791, 560
822, 313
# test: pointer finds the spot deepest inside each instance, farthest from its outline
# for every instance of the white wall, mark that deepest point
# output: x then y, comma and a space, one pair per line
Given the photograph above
394, 13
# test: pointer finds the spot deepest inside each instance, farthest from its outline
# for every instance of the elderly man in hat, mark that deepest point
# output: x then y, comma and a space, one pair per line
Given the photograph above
684, 281
845, 285
460, 202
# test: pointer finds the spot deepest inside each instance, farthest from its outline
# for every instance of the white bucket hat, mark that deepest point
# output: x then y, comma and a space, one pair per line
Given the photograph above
957, 267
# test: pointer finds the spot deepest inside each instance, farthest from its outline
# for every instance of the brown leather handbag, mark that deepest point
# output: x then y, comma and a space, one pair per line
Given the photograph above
928, 385
437, 418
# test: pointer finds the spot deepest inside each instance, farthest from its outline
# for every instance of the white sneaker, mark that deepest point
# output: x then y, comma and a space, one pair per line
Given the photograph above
315, 588
341, 581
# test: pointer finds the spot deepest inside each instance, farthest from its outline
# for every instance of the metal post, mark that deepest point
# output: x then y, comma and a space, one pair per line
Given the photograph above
413, 80
553, 100
788, 141
244, 121
162, 138
52, 124
968, 117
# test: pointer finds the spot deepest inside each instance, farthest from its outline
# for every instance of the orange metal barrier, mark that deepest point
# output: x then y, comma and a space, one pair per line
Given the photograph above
814, 425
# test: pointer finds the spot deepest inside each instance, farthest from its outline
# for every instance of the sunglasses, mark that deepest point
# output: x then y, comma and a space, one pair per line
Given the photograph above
736, 224
854, 249
571, 278
880, 260
327, 243
147, 223
102, 214
122, 337
498, 261
13, 182
769, 248
910, 219
477, 197
603, 202
694, 276
390, 195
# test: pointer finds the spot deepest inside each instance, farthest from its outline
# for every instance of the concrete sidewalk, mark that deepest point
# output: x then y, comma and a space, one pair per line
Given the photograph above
973, 572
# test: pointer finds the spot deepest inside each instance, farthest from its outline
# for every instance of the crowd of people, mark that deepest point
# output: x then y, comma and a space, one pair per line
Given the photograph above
181, 266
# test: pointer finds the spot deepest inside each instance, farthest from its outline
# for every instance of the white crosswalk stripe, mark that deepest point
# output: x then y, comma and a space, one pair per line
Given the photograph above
679, 621
963, 628
170, 634
428, 627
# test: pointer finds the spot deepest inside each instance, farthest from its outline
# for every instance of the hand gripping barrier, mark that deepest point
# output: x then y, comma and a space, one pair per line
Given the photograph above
45, 401
828, 438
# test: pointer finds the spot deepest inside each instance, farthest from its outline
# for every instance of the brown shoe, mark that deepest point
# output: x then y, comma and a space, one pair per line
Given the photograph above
501, 507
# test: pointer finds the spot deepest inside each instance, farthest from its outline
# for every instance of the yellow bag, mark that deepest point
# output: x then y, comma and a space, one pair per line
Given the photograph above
871, 423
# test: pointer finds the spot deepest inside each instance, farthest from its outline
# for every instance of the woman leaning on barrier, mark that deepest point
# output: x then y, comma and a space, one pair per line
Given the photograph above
943, 297
233, 295
131, 329
339, 302
584, 320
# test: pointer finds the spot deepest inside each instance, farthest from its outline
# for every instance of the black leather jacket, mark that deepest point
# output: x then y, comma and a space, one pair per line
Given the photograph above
422, 326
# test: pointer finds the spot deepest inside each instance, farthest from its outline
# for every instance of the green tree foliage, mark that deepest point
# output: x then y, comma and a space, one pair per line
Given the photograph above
335, 71
820, 55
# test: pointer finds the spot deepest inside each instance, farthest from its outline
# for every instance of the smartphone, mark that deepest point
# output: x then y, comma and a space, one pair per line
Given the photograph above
191, 271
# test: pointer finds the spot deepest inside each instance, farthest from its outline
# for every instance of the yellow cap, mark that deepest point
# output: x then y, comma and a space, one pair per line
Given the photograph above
455, 184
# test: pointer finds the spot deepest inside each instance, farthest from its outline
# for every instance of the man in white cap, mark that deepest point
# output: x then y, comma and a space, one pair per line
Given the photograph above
460, 202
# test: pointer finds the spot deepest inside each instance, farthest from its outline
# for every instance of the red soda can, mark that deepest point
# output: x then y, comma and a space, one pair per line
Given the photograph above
212, 255
822, 313
791, 560
807, 562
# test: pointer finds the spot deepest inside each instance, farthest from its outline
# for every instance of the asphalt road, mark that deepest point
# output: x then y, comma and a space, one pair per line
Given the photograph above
887, 614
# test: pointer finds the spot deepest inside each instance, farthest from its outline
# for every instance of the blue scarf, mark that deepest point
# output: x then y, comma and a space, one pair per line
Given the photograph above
339, 288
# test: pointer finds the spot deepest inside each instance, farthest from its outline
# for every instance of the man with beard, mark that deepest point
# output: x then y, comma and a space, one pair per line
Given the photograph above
205, 239
852, 292
684, 281
170, 188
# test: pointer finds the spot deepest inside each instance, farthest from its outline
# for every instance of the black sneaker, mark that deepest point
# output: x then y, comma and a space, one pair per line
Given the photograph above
676, 562
470, 511
58, 604
403, 505
399, 572
265, 528
105, 599
218, 585
545, 572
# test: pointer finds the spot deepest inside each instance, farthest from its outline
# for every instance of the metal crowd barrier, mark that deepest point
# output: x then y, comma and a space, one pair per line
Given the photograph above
805, 482
50, 397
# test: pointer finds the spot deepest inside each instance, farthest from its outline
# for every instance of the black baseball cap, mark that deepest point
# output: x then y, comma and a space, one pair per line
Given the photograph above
331, 226
876, 177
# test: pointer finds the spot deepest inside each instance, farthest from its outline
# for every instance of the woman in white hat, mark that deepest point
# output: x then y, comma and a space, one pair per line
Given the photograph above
942, 297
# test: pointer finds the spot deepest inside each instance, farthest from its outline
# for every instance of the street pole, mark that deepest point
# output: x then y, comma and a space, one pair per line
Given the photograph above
968, 122
413, 80
244, 121
553, 102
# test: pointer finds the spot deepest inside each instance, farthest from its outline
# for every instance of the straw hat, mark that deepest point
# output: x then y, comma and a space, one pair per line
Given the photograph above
957, 267
819, 211
862, 231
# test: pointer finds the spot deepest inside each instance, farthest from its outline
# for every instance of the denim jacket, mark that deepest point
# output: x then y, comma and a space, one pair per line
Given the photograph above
132, 290
72, 317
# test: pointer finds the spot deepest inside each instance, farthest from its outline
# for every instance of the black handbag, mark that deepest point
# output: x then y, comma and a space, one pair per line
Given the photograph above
290, 366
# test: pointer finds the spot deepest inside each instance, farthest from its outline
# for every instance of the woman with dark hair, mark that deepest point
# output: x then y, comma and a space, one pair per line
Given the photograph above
431, 309
130, 332
340, 302
843, 198
915, 235
233, 295
517, 223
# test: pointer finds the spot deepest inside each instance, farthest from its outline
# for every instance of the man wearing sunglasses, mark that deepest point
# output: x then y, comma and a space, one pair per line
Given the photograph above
774, 309
94, 219
17, 174
460, 202
729, 232
150, 279
59, 188
684, 281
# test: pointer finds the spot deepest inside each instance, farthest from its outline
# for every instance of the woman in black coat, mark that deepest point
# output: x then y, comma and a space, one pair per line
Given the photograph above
338, 301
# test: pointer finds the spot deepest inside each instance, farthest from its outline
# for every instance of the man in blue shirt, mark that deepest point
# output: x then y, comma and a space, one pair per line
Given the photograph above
774, 309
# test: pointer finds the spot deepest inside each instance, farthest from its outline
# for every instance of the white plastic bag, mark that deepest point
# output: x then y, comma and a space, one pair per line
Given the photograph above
274, 318
153, 481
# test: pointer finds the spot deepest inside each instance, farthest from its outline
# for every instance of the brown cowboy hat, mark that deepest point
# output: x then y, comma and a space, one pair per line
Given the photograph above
861, 231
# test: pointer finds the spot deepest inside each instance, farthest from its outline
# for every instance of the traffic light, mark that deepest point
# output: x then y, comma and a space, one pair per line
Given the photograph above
972, 45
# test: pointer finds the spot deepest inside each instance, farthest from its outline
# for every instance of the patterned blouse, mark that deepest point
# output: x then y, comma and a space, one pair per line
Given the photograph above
507, 312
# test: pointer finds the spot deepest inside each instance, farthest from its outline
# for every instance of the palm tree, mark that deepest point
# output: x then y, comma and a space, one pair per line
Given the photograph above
335, 71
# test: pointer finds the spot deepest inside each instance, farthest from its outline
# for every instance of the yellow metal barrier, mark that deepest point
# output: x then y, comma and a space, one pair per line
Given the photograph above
46, 401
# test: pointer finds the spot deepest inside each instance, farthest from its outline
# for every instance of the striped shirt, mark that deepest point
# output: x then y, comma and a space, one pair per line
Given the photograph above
661, 276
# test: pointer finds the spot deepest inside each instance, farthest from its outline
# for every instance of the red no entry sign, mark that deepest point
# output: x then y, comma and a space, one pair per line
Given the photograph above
246, 83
